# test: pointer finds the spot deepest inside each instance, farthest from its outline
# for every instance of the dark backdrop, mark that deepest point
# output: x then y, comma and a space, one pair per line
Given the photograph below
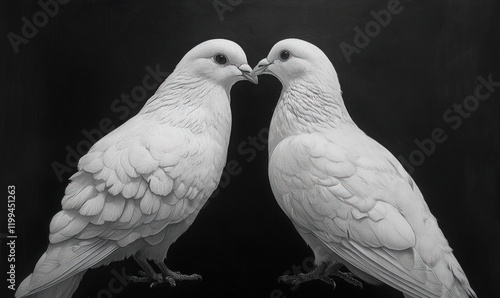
65, 78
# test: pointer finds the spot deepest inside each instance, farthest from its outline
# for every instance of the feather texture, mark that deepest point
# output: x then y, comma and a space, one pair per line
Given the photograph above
144, 177
348, 196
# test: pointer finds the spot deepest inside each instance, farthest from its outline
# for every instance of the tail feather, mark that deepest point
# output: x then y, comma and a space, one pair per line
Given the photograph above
23, 288
460, 286
60, 270
63, 289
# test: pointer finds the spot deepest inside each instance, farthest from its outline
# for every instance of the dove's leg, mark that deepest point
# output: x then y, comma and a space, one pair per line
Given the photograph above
322, 272
148, 274
167, 273
333, 269
317, 273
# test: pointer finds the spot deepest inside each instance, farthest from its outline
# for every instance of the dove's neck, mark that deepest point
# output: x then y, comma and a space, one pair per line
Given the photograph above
307, 106
201, 106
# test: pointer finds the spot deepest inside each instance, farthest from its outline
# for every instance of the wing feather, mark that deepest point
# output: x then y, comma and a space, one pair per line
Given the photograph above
358, 221
135, 182
93, 206
125, 190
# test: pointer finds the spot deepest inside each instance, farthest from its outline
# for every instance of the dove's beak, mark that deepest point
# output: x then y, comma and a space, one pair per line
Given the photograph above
246, 72
261, 67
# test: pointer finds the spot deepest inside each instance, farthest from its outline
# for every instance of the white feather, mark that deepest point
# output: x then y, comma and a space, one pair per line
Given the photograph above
122, 200
347, 192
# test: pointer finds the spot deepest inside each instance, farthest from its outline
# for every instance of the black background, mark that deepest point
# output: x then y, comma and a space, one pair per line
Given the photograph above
397, 89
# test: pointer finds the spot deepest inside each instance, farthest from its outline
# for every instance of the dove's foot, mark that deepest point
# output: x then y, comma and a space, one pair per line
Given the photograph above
318, 273
301, 278
148, 275
176, 275
323, 273
154, 280
185, 277
348, 277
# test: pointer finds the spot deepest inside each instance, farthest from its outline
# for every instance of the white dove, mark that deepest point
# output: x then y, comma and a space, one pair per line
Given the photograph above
349, 197
141, 186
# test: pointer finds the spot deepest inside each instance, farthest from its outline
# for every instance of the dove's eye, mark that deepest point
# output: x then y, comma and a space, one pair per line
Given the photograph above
284, 55
220, 59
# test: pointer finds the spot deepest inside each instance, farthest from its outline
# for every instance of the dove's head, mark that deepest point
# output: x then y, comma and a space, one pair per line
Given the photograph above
218, 60
311, 89
295, 59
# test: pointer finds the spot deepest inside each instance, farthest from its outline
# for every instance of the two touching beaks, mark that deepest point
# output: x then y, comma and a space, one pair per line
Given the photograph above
262, 67
252, 74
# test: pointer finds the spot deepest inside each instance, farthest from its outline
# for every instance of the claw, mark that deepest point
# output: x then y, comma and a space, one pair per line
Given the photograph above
329, 281
349, 277
171, 281
285, 278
